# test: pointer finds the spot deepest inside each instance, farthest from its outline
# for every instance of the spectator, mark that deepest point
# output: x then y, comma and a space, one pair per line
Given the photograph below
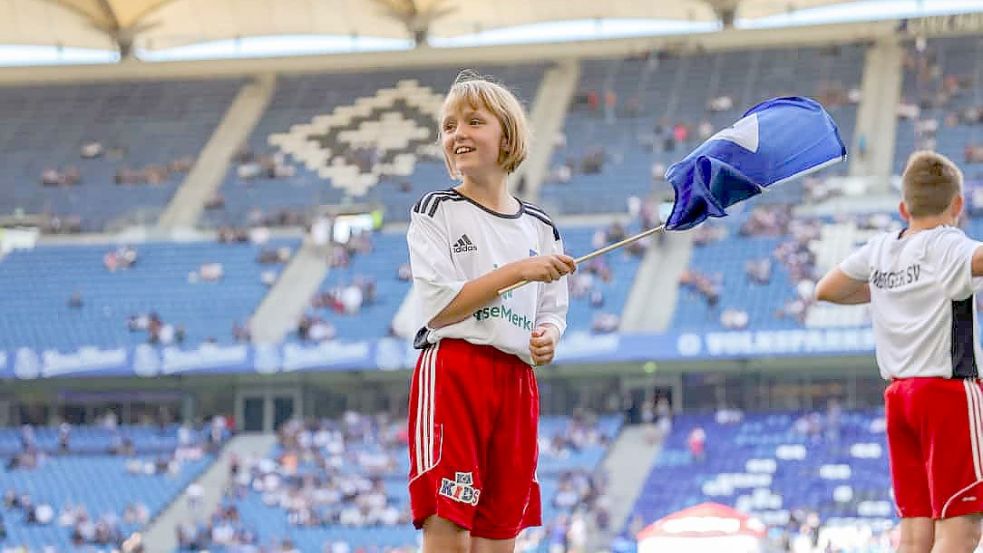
321, 331
758, 270
64, 436
680, 133
44, 514
721, 103
91, 150
697, 444
215, 201
705, 130
605, 323
404, 273
351, 298
663, 416
241, 333
165, 335
734, 319
211, 272
834, 418
195, 493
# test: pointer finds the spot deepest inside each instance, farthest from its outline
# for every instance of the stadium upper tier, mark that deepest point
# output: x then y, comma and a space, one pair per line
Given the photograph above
632, 118
370, 136
366, 137
106, 152
942, 102
202, 288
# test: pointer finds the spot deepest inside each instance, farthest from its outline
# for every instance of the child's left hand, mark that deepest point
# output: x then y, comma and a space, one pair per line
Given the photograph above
542, 344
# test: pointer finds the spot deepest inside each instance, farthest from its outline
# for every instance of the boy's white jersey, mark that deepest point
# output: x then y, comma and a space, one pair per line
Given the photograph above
922, 302
453, 240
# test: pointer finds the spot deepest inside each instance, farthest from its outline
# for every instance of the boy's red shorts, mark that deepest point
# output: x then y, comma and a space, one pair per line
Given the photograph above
935, 441
473, 422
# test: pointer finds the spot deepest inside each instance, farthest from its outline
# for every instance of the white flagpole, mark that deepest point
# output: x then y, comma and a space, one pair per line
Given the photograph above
593, 254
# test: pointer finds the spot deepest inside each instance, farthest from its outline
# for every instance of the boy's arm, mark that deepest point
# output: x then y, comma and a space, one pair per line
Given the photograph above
977, 263
837, 287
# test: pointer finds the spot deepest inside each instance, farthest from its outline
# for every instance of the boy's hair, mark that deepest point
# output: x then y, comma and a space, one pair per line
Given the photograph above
480, 92
929, 183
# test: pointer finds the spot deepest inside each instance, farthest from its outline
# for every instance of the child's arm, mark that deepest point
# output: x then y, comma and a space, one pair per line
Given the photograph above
551, 315
977, 262
846, 284
837, 287
482, 290
445, 297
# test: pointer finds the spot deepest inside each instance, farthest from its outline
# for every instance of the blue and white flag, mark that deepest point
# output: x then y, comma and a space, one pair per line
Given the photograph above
776, 141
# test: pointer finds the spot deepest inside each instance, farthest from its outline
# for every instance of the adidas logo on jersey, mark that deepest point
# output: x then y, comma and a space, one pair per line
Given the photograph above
464, 244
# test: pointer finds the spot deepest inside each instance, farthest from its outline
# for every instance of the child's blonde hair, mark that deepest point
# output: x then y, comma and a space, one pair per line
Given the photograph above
929, 183
477, 92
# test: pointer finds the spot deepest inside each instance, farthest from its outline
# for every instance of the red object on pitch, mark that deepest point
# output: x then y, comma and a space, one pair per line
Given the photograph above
706, 520
473, 424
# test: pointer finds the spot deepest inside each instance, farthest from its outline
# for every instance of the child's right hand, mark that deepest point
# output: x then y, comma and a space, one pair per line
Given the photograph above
546, 268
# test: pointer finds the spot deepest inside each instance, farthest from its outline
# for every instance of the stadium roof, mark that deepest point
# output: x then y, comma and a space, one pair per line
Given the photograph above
159, 24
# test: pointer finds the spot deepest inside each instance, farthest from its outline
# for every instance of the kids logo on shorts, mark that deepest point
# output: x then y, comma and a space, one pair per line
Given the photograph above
460, 489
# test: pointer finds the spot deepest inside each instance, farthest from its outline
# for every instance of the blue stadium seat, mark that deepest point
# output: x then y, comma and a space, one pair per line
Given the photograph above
44, 126
301, 98
763, 466
38, 283
98, 483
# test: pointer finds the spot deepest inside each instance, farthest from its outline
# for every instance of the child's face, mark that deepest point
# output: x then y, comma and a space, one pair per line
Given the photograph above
472, 140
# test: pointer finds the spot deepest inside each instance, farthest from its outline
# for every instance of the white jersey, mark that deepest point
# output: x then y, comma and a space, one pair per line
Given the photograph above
452, 240
922, 302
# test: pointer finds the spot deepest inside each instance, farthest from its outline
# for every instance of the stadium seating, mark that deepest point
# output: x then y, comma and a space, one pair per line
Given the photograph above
770, 306
46, 277
44, 126
665, 90
101, 484
623, 266
397, 109
271, 523
95, 439
956, 57
389, 251
37, 283
380, 266
727, 258
770, 464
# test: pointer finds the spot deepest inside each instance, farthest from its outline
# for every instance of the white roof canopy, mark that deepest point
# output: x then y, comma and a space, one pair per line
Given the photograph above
159, 24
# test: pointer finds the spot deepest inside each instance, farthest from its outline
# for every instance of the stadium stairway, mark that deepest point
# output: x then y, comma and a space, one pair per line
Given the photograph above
284, 304
209, 170
548, 114
877, 113
652, 300
160, 535
632, 453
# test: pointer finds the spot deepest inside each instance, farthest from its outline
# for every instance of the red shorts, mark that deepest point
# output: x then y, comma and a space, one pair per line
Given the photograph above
935, 440
473, 423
